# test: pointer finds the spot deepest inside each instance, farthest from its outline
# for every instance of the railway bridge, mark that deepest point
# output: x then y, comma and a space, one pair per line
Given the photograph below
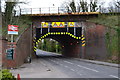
78, 37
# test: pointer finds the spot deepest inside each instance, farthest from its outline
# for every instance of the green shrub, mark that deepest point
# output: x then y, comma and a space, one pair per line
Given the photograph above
6, 75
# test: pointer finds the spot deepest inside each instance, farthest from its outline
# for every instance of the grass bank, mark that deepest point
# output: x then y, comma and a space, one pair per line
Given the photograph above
112, 35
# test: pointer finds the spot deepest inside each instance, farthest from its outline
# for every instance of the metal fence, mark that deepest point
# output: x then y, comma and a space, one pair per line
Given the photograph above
52, 10
44, 10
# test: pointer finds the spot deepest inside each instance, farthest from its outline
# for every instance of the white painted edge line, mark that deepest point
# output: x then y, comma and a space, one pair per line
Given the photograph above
88, 68
114, 76
68, 62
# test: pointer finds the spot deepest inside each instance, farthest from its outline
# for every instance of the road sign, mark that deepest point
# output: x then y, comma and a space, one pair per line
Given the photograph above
13, 29
44, 24
58, 24
71, 24
10, 53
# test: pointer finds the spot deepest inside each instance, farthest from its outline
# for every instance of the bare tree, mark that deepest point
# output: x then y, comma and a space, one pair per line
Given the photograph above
93, 5
72, 6
114, 6
8, 16
83, 6
118, 3
0, 6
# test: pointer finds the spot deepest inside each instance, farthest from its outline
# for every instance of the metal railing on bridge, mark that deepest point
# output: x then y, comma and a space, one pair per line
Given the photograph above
44, 10
59, 10
49, 10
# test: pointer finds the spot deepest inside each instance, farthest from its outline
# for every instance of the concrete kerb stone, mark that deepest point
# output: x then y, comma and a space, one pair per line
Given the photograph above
99, 62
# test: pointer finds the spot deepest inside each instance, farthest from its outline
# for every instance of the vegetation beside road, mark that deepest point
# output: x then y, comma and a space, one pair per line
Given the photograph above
50, 45
112, 35
10, 17
6, 75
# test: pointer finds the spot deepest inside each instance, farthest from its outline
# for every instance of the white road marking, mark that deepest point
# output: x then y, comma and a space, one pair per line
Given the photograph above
88, 68
114, 76
68, 62
54, 61
66, 66
72, 69
44, 64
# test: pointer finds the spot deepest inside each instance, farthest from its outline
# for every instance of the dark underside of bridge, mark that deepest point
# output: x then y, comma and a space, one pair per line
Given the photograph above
70, 46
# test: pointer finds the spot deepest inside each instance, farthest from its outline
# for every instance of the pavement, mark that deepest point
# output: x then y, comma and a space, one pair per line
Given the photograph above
52, 65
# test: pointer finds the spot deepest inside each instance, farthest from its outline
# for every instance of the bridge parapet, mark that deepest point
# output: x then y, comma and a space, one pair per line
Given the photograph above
52, 11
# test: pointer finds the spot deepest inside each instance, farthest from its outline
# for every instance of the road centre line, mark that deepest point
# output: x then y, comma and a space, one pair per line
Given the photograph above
72, 69
61, 64
114, 76
66, 66
88, 68
80, 66
54, 61
68, 62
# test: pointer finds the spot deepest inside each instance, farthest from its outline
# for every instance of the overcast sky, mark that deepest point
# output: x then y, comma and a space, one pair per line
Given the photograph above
49, 3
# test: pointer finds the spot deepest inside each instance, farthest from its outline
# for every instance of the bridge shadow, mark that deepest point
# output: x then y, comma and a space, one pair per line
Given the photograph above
45, 54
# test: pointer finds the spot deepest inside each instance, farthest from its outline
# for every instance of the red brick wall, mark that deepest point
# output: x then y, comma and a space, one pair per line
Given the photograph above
23, 49
95, 41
